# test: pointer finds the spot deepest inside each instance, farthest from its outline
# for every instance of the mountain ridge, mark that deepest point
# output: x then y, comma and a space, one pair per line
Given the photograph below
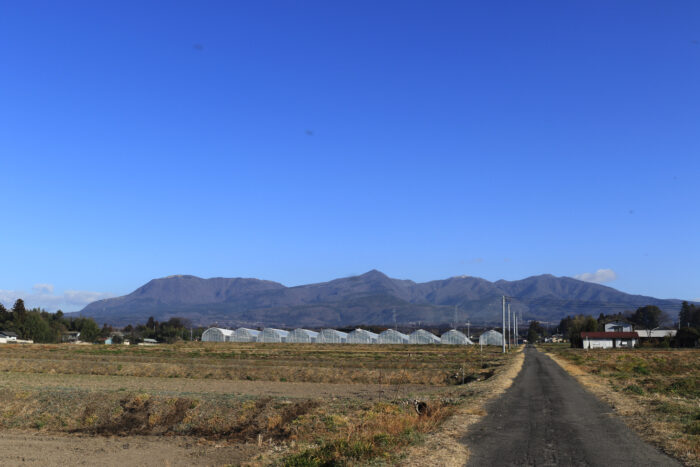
369, 298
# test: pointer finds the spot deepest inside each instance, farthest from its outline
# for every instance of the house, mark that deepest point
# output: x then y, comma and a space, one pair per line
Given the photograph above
9, 336
609, 340
70, 336
618, 326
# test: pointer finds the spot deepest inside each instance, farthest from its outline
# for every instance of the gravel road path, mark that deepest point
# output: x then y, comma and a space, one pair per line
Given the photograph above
546, 418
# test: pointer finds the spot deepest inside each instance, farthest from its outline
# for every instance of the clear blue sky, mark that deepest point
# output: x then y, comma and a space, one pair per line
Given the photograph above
303, 141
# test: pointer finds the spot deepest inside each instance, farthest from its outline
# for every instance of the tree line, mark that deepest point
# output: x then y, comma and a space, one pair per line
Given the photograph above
43, 327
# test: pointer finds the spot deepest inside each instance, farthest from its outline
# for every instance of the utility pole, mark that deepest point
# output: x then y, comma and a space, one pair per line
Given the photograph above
468, 333
510, 334
503, 327
515, 318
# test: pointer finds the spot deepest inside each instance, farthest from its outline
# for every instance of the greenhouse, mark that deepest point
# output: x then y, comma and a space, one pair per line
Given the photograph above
245, 335
302, 336
454, 337
217, 335
360, 336
491, 337
422, 336
391, 336
272, 335
331, 336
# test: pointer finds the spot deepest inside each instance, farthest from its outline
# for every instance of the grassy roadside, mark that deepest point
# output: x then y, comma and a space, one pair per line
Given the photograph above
444, 447
655, 391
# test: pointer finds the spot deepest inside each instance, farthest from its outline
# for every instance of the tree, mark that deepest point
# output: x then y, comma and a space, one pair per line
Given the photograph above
578, 324
648, 317
35, 328
89, 331
5, 315
534, 332
689, 316
19, 312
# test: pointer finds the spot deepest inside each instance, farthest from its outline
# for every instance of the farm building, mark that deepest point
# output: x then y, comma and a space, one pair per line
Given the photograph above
609, 340
491, 337
422, 336
302, 336
331, 336
618, 326
8, 336
361, 336
455, 337
216, 335
655, 333
245, 335
272, 335
391, 336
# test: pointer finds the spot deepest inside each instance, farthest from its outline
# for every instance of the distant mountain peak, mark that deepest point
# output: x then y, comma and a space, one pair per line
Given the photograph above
369, 298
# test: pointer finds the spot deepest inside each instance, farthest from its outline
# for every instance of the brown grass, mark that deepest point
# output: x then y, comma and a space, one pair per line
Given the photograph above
444, 448
655, 391
429, 365
347, 428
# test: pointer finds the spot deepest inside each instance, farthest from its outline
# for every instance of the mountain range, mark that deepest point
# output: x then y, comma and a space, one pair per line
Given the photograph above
372, 298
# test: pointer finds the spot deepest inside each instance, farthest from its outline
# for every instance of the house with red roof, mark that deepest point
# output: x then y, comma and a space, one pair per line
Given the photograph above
610, 340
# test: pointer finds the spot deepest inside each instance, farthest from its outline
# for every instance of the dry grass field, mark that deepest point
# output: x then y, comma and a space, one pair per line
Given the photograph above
656, 391
230, 404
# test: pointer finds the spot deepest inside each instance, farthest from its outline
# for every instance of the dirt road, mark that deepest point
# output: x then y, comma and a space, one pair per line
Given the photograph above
546, 418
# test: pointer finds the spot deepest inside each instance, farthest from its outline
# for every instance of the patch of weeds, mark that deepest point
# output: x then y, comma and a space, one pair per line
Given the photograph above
692, 428
686, 387
333, 453
633, 388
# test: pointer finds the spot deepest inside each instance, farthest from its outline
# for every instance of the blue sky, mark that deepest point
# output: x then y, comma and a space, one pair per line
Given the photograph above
303, 141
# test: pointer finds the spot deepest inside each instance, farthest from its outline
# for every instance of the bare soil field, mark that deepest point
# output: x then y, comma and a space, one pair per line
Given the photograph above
656, 392
233, 404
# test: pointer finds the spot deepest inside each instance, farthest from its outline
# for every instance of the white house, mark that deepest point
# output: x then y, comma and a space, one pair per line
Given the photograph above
609, 340
618, 326
8, 336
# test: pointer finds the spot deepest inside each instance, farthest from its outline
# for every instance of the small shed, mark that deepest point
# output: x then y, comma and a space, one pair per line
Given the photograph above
421, 336
609, 340
272, 335
455, 337
245, 335
491, 337
331, 336
362, 336
216, 335
391, 336
302, 336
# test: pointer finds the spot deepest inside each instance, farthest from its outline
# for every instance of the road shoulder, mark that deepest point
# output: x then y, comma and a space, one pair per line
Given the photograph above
633, 414
445, 448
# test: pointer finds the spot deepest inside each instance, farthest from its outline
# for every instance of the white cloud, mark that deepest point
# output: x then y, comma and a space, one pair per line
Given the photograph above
599, 277
42, 296
43, 288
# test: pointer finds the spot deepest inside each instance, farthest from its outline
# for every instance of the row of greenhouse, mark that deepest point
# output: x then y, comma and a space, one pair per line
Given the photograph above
333, 336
